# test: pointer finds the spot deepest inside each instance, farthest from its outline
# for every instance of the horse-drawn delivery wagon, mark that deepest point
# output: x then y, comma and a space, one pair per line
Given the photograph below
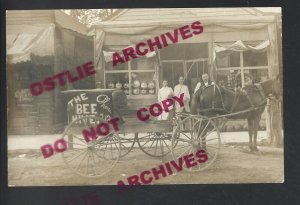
179, 135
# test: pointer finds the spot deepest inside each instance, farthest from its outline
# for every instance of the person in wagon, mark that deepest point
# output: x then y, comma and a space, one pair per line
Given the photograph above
164, 93
205, 82
181, 88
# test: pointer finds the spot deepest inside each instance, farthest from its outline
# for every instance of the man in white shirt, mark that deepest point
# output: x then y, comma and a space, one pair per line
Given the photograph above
181, 88
164, 93
205, 82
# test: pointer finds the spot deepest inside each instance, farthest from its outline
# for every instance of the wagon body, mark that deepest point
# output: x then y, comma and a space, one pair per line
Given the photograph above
179, 135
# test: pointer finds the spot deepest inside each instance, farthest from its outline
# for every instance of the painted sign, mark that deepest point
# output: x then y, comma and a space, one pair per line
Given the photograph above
89, 104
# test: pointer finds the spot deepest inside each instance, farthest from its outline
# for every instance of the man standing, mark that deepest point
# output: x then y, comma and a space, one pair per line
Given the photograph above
181, 88
119, 99
164, 93
205, 82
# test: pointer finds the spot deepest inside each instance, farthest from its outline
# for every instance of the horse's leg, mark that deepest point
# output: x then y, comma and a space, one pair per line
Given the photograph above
255, 129
250, 132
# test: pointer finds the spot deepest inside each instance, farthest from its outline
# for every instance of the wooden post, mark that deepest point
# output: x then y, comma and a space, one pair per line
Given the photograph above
274, 117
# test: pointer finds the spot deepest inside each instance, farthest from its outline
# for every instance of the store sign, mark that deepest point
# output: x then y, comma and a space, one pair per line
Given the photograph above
88, 104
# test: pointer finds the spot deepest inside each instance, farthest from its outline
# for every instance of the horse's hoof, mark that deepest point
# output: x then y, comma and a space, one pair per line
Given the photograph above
255, 149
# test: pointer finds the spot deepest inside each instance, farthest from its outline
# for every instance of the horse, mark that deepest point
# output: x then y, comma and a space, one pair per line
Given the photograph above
247, 103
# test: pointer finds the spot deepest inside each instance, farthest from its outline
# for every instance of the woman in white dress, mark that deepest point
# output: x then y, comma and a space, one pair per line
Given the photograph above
164, 93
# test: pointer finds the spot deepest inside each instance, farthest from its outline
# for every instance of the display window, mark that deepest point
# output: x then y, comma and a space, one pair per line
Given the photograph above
136, 77
233, 66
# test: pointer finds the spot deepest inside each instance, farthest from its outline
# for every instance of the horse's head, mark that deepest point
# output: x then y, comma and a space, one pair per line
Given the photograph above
272, 87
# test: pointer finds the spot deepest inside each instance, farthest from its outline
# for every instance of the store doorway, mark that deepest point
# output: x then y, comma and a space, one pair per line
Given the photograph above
192, 71
171, 71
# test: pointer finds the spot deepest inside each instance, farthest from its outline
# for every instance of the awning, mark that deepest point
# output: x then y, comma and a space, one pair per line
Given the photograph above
238, 46
22, 41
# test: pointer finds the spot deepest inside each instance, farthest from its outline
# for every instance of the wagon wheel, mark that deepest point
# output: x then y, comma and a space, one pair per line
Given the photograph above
94, 158
126, 143
157, 144
203, 134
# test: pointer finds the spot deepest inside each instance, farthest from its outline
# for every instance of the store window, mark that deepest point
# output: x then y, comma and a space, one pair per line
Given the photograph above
233, 66
226, 60
136, 77
252, 58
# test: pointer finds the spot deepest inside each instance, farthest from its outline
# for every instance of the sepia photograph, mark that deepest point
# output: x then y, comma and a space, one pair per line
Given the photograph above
154, 96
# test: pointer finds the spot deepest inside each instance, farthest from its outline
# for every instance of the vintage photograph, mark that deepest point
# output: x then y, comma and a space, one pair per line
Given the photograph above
144, 96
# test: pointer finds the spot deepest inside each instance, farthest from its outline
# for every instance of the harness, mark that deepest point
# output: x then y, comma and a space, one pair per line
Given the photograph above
237, 95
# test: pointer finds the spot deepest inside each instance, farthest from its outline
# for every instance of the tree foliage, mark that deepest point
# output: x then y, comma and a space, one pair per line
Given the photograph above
90, 16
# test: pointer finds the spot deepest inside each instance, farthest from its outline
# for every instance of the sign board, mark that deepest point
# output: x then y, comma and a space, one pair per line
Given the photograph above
89, 104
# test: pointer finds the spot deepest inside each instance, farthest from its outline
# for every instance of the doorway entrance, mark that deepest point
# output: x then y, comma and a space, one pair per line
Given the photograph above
192, 71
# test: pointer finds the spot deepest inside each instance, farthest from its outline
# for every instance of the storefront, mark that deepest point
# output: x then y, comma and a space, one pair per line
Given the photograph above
235, 42
39, 45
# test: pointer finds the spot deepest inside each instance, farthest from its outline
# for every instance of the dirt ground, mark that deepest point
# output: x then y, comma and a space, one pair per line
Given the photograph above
235, 164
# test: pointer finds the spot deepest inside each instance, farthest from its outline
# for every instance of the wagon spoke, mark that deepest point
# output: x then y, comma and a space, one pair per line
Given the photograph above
186, 136
111, 151
103, 157
167, 146
80, 153
88, 160
147, 141
183, 140
204, 128
161, 147
185, 152
208, 133
211, 139
79, 139
95, 171
156, 147
199, 127
81, 161
150, 145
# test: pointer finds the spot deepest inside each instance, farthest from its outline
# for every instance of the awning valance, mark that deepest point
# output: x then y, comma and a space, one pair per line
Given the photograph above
238, 46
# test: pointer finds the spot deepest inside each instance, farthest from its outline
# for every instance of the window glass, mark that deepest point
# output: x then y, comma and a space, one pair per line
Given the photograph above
258, 75
184, 51
118, 80
228, 59
119, 66
143, 83
252, 58
143, 63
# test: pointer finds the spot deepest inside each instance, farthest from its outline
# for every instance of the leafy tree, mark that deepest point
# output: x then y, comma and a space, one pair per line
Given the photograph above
90, 16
